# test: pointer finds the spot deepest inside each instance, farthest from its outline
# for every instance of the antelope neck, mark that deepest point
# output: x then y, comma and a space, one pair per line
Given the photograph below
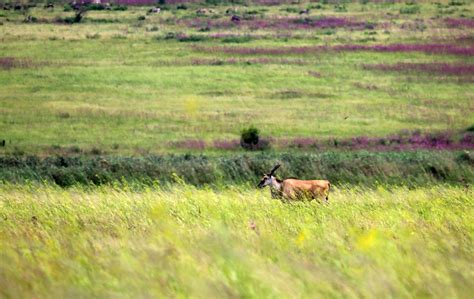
275, 183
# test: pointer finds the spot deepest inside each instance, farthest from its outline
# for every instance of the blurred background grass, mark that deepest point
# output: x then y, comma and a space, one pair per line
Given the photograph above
122, 86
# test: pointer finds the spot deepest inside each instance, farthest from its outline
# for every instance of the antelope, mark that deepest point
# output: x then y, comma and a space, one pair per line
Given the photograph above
294, 189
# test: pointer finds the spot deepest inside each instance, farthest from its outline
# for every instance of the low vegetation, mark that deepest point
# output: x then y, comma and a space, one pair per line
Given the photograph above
409, 169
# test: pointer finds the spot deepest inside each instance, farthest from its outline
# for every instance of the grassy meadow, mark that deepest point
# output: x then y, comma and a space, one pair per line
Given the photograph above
235, 242
122, 173
128, 82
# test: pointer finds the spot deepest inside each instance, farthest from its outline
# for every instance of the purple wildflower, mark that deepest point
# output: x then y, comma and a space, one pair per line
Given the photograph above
149, 2
457, 23
396, 142
314, 74
432, 68
194, 144
234, 61
425, 48
303, 142
227, 144
8, 63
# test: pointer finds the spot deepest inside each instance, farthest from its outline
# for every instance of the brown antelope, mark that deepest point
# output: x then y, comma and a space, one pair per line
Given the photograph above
294, 189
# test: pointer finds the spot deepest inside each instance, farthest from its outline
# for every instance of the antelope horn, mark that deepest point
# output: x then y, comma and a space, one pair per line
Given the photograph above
273, 170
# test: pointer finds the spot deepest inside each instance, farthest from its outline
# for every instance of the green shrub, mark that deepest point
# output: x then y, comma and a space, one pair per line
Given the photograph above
291, 9
410, 10
119, 7
340, 8
170, 35
103, 21
94, 6
456, 3
237, 39
249, 137
192, 38
466, 157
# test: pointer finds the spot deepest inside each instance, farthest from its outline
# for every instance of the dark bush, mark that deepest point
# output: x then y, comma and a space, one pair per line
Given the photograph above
65, 177
170, 35
32, 161
370, 25
94, 6
77, 18
237, 39
249, 137
456, 3
95, 151
340, 8
291, 9
119, 7
192, 38
103, 21
74, 149
18, 151
466, 157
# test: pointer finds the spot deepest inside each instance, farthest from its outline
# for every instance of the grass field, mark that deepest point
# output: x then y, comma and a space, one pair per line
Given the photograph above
235, 242
122, 174
156, 85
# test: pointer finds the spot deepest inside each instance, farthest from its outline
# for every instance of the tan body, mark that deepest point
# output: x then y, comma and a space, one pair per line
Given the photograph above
293, 189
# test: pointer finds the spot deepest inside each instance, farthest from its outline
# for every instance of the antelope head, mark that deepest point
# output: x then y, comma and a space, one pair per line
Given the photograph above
267, 178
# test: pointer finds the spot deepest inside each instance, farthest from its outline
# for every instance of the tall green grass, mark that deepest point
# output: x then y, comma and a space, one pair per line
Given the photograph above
234, 242
362, 168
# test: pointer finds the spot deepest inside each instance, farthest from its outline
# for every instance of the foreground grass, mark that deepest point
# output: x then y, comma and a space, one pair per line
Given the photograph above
114, 242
